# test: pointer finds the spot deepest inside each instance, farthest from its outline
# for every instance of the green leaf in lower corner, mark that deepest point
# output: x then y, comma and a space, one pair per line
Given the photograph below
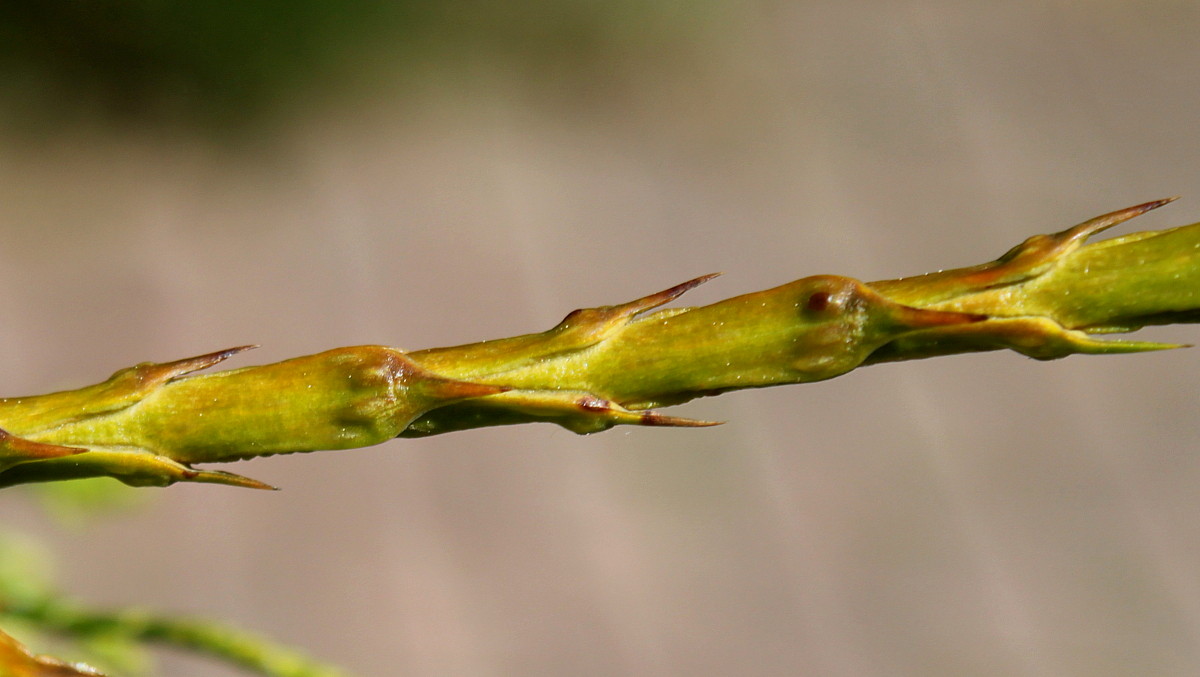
79, 503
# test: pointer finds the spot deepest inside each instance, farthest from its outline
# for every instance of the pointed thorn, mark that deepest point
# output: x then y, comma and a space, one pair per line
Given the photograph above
192, 364
1100, 223
230, 352
684, 287
1165, 346
1155, 204
217, 357
653, 418
665, 296
1095, 346
226, 478
36, 450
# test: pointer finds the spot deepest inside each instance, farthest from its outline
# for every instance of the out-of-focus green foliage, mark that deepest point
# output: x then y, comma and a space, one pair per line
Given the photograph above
26, 573
224, 64
25, 570
79, 504
114, 641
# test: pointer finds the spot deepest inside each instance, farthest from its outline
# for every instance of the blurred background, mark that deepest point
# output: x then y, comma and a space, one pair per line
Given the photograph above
179, 178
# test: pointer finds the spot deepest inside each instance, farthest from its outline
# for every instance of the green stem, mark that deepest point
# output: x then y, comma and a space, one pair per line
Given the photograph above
218, 641
1043, 298
600, 367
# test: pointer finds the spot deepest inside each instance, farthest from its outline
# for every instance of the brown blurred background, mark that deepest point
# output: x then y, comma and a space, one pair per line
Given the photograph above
306, 175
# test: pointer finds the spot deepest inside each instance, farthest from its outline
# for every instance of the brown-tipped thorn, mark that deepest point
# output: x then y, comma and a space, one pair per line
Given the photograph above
190, 364
1077, 234
1031, 258
35, 450
653, 418
663, 297
226, 478
1036, 254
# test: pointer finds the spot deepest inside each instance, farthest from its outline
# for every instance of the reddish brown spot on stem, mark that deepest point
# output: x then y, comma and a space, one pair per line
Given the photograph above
818, 301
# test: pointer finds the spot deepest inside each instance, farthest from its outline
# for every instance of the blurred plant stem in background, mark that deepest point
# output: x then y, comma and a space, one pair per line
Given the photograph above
26, 573
115, 640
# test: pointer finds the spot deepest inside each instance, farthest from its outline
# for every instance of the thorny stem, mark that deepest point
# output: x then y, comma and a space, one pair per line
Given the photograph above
147, 425
600, 367
1043, 298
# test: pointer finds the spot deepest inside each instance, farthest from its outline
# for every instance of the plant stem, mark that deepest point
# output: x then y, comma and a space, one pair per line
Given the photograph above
218, 641
600, 367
